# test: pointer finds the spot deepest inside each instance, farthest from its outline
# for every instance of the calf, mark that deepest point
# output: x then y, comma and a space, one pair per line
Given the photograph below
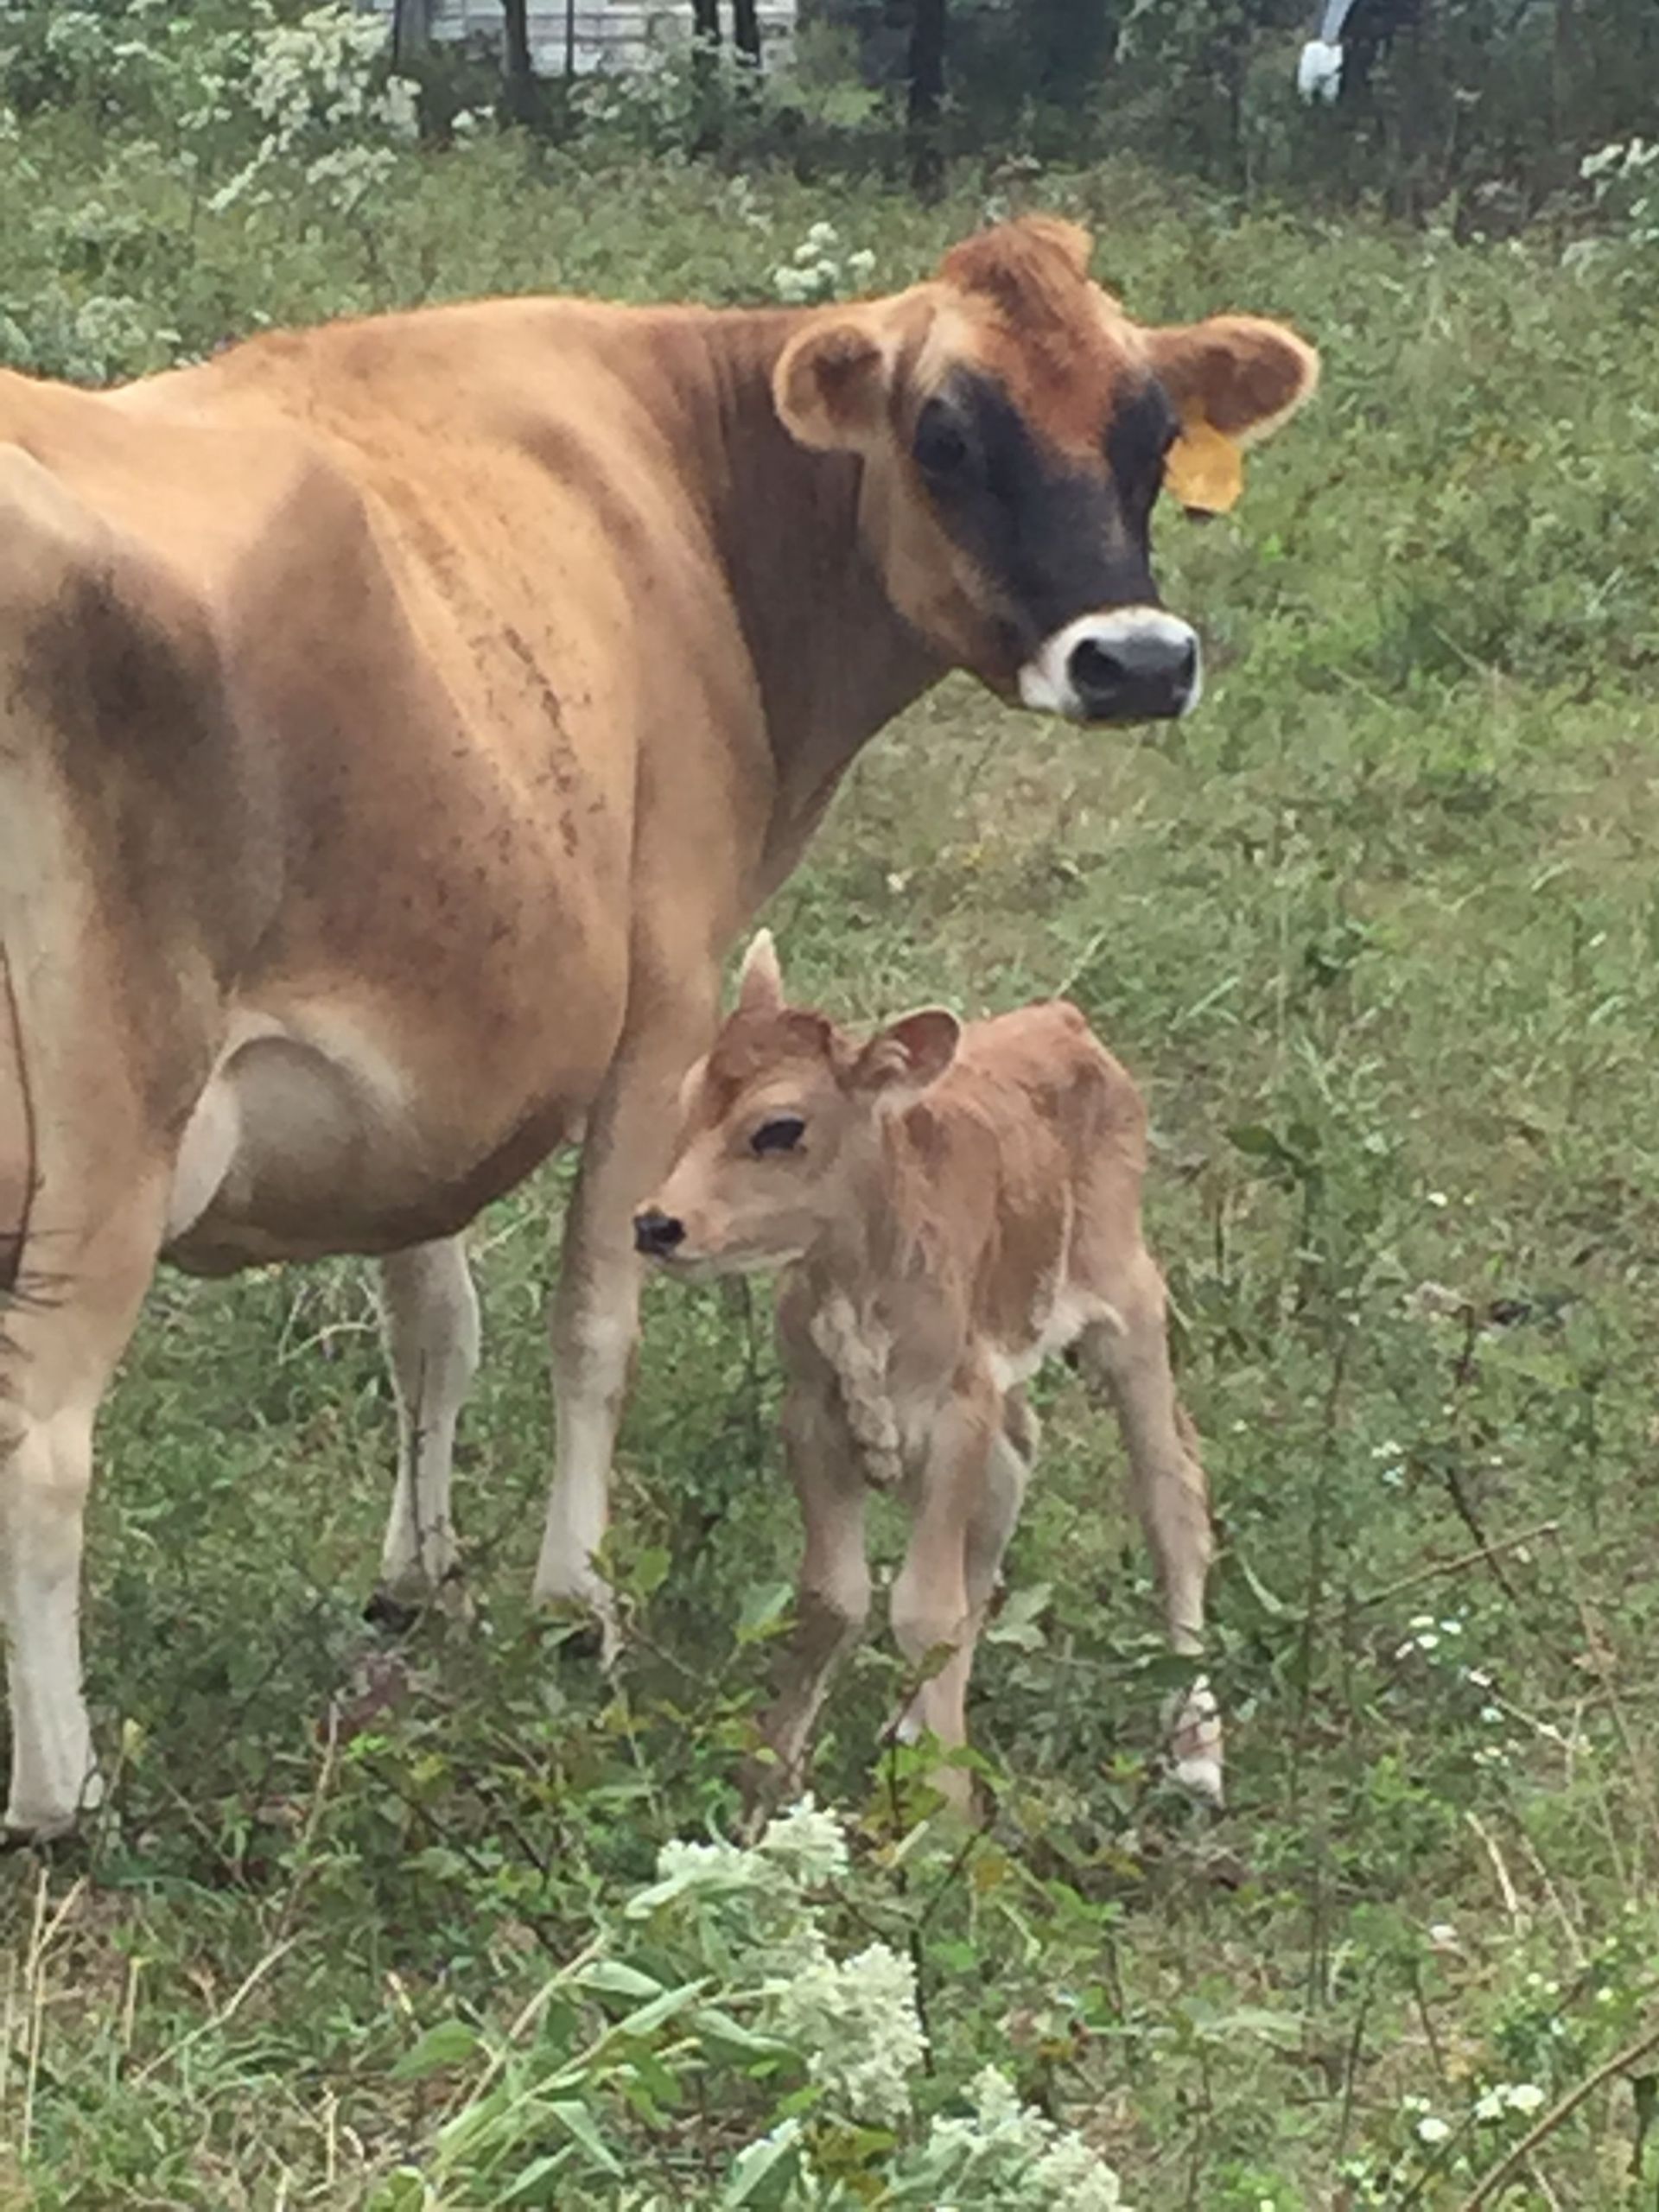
949, 1204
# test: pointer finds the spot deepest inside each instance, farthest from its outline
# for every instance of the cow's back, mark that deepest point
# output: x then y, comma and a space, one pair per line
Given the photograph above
451, 568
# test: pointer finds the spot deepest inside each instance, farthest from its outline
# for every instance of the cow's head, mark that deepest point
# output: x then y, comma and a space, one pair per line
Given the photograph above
776, 1124
1016, 428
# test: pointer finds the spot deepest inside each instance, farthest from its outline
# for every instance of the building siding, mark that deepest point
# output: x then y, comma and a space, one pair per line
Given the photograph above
618, 35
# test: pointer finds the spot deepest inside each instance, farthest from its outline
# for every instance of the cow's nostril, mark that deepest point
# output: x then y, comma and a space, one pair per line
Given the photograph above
655, 1233
1129, 673
1096, 671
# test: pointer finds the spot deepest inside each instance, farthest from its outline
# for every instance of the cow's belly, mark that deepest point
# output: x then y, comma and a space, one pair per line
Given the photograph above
307, 1142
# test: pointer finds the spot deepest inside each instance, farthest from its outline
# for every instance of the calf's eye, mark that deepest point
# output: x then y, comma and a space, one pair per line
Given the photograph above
781, 1134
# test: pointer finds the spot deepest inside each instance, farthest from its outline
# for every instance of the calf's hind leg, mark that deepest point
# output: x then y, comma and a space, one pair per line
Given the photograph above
1129, 1355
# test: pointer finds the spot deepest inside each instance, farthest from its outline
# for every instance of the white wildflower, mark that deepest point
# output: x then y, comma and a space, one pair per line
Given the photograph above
718, 1868
1431, 2129
1004, 2152
854, 2023
808, 1842
400, 107
1524, 2097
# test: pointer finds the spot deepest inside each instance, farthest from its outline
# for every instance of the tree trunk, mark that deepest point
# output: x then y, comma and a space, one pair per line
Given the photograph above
926, 96
412, 31
705, 75
745, 31
518, 76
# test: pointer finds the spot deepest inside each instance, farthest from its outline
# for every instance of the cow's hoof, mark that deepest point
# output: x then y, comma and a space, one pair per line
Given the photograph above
390, 1614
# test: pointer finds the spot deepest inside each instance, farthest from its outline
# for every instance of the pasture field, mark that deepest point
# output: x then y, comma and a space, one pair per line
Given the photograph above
1379, 932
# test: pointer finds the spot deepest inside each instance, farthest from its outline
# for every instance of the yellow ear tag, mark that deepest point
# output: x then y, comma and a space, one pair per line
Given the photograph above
1204, 469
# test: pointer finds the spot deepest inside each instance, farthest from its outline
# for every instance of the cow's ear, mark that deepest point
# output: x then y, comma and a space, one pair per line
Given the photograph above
1233, 379
830, 384
909, 1053
760, 979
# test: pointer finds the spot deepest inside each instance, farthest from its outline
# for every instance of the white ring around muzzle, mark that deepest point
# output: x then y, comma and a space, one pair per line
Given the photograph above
1046, 681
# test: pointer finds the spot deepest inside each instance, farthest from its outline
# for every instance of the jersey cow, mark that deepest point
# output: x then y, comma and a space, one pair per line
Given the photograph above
397, 721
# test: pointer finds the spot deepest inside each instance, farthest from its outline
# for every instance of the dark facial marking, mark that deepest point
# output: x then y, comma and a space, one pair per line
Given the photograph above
1144, 426
1056, 538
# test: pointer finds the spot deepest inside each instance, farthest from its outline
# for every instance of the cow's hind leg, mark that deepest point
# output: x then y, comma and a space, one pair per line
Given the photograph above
428, 1312
1128, 1352
60, 1337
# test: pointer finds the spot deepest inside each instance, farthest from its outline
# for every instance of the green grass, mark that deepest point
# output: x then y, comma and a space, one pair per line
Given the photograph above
1378, 932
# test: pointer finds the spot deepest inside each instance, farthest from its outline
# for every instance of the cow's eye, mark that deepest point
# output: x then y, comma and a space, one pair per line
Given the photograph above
782, 1134
940, 445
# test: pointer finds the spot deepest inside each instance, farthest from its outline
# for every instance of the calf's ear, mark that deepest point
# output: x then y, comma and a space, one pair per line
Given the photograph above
1233, 379
910, 1053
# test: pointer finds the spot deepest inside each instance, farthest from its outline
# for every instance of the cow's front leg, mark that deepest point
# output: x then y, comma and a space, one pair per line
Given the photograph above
429, 1314
625, 1154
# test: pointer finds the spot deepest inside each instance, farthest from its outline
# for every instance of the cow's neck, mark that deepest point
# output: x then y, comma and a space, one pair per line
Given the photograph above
833, 658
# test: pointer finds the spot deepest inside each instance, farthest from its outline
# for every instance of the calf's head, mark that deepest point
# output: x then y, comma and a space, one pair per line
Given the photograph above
775, 1125
1015, 429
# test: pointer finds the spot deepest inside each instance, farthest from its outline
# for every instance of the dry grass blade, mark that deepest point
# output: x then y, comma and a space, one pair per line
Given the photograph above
227, 2011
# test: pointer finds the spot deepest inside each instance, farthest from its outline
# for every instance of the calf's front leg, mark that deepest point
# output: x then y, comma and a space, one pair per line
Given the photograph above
970, 1490
832, 1599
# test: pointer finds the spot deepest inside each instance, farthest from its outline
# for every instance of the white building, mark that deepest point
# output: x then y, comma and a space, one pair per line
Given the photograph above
605, 33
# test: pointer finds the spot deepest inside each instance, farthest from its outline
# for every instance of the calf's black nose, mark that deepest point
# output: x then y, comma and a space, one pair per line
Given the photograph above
655, 1233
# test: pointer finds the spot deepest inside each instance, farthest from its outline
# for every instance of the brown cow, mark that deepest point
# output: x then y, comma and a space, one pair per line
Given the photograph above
950, 1205
397, 722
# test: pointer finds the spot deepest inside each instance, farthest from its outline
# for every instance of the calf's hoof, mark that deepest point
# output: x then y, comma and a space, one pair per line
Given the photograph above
1192, 1744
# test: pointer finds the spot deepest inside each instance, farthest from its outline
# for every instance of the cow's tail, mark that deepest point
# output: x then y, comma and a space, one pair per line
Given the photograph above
41, 527
19, 1144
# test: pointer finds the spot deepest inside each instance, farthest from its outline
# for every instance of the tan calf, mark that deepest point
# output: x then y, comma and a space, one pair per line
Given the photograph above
950, 1204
